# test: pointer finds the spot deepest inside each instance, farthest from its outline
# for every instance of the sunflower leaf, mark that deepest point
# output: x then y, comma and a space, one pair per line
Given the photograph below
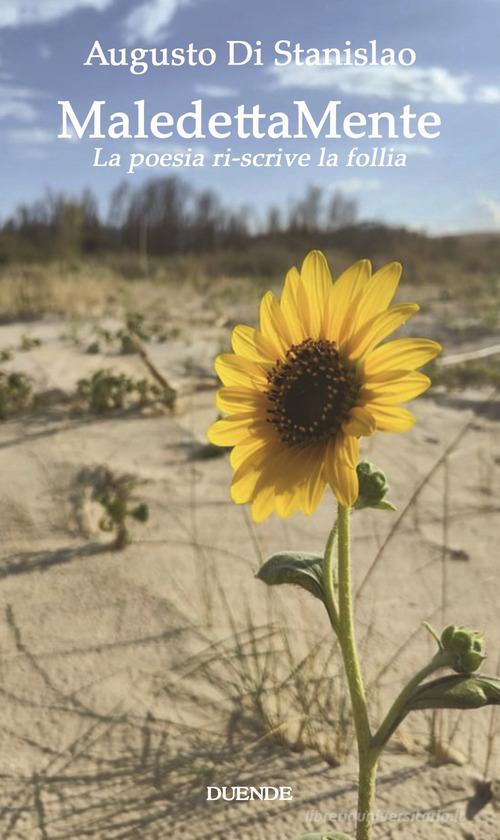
461, 691
296, 567
456, 691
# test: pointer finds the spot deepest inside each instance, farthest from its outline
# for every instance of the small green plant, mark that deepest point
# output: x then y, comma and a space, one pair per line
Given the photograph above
137, 323
122, 340
119, 508
104, 390
103, 338
127, 346
29, 342
105, 501
16, 393
107, 391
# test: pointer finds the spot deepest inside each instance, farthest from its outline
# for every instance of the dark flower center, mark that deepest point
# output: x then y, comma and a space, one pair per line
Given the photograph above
311, 392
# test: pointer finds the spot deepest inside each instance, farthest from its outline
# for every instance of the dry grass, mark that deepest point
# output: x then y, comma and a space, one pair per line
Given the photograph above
28, 292
31, 291
272, 685
455, 273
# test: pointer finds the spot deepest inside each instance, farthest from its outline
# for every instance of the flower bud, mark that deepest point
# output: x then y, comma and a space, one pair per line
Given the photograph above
470, 662
466, 646
373, 487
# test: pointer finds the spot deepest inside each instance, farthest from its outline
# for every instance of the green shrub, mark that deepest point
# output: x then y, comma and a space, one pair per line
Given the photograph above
16, 393
107, 391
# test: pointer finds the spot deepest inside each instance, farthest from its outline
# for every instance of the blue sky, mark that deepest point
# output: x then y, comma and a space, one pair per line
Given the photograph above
448, 184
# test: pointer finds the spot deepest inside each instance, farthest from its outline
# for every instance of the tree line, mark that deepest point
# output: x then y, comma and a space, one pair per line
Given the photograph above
163, 216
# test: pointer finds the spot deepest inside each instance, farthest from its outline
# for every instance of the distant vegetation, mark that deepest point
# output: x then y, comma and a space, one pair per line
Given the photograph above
60, 255
167, 217
163, 217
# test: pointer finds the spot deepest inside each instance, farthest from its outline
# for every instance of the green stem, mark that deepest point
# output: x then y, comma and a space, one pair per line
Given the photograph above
367, 758
394, 715
329, 578
366, 797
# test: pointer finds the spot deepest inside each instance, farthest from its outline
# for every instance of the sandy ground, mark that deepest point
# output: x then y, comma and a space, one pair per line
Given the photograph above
118, 707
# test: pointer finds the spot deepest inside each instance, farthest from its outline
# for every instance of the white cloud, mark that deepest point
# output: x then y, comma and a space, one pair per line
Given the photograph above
488, 94
491, 208
417, 84
23, 12
31, 136
151, 19
16, 102
216, 91
356, 185
418, 149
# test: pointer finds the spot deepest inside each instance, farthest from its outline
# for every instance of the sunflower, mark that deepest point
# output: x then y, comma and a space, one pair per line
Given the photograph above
300, 391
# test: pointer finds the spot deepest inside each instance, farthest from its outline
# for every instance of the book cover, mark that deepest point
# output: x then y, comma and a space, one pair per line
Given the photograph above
249, 419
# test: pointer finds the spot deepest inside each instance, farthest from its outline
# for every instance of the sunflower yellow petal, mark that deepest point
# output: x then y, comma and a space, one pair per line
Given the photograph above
317, 282
290, 493
248, 447
290, 303
400, 389
346, 487
378, 292
391, 418
378, 328
352, 281
248, 473
348, 449
273, 325
250, 343
344, 298
235, 370
360, 423
296, 478
291, 471
314, 486
263, 503
287, 502
243, 484
234, 400
231, 430
341, 462
403, 354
